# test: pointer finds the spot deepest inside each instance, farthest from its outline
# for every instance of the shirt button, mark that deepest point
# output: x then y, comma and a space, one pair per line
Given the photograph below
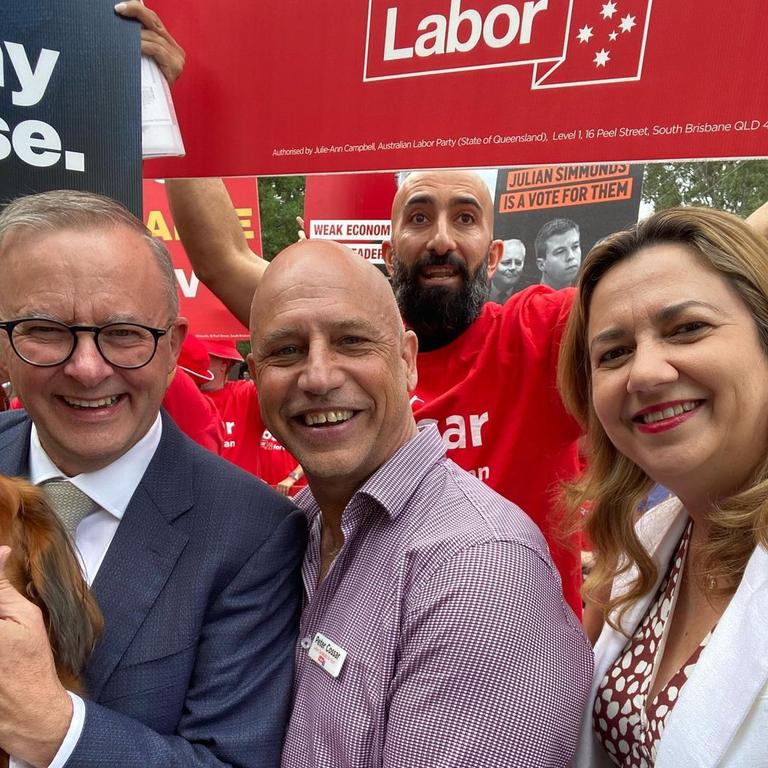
306, 642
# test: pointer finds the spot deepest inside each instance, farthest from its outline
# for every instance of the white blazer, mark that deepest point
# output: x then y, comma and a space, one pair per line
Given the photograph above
721, 715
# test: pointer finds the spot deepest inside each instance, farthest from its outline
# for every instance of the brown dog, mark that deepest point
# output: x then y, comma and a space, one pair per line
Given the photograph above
43, 567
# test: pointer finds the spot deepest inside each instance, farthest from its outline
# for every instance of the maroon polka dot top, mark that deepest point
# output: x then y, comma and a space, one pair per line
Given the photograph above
626, 723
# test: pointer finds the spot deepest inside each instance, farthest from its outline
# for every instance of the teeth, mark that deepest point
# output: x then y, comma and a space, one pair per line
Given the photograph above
326, 417
103, 403
668, 413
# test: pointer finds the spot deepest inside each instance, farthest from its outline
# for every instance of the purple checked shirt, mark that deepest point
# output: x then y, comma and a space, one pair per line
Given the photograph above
460, 650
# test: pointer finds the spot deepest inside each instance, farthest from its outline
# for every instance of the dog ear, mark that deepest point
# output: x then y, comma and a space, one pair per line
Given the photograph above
10, 502
72, 616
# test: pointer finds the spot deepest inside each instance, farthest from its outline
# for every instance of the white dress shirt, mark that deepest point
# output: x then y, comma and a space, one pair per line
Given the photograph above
111, 488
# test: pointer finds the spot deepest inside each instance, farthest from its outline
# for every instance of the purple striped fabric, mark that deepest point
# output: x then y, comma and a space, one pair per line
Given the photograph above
460, 650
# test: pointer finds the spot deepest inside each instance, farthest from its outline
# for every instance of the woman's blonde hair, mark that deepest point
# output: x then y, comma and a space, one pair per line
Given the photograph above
613, 486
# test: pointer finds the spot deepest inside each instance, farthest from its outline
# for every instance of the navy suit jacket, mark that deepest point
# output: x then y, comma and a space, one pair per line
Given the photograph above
200, 591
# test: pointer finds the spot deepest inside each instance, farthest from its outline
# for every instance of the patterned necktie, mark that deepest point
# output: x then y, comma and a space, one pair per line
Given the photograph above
69, 503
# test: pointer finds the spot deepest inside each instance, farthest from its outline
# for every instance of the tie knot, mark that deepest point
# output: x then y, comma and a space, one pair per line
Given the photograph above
69, 503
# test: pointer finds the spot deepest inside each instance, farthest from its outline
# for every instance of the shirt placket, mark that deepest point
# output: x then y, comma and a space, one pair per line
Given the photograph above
317, 597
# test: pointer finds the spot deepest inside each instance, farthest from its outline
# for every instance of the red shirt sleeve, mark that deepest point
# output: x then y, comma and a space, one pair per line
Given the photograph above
193, 412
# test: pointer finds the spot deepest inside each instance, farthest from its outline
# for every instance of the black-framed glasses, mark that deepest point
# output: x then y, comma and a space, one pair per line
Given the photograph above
45, 343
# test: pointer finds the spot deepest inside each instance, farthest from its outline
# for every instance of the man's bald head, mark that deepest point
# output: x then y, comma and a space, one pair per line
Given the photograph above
458, 182
311, 261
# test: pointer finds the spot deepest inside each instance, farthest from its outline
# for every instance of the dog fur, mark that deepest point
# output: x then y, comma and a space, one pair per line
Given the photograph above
44, 568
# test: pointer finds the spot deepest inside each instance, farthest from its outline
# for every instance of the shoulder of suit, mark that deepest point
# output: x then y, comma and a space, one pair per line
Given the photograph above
13, 424
212, 472
13, 418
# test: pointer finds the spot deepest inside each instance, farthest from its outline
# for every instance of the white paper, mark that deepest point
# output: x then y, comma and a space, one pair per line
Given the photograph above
160, 134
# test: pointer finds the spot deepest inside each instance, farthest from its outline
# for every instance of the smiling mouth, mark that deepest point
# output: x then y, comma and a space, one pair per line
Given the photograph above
327, 418
104, 402
651, 417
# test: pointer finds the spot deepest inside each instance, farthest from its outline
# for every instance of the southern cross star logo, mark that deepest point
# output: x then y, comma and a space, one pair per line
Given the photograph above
627, 22
602, 57
618, 40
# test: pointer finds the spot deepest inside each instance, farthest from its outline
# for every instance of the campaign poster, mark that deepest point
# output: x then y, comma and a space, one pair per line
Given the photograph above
353, 209
308, 86
70, 100
208, 318
550, 216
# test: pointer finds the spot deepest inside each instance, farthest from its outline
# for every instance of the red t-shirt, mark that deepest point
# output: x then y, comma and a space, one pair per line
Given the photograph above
247, 442
492, 393
193, 413
238, 407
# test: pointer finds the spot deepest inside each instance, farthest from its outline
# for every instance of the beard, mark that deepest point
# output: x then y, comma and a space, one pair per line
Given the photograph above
439, 314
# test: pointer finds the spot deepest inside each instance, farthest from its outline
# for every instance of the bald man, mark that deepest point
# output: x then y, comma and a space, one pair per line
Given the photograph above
486, 371
434, 631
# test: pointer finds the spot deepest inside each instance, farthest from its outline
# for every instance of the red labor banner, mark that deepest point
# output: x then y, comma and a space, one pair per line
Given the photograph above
208, 318
305, 86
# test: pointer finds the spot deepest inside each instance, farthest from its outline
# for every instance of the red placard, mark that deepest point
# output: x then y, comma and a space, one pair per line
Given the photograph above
596, 199
353, 209
306, 86
208, 318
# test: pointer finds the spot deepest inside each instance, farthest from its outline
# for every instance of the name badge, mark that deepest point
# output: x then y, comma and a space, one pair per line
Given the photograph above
327, 654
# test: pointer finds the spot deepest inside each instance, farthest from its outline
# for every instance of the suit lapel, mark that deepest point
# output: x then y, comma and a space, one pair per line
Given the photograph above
145, 548
142, 554
730, 673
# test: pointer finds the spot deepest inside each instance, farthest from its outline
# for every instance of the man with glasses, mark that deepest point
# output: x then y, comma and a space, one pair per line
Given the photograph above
46, 343
193, 562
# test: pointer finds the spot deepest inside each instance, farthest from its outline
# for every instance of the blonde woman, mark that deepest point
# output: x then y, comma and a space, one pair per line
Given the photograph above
665, 363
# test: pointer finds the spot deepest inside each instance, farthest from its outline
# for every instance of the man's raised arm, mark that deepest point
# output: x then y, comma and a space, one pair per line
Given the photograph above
215, 243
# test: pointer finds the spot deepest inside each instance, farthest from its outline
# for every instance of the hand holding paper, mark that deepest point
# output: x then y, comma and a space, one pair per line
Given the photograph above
156, 41
162, 60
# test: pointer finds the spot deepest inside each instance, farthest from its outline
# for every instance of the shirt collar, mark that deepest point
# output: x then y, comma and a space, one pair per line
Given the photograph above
111, 487
394, 482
